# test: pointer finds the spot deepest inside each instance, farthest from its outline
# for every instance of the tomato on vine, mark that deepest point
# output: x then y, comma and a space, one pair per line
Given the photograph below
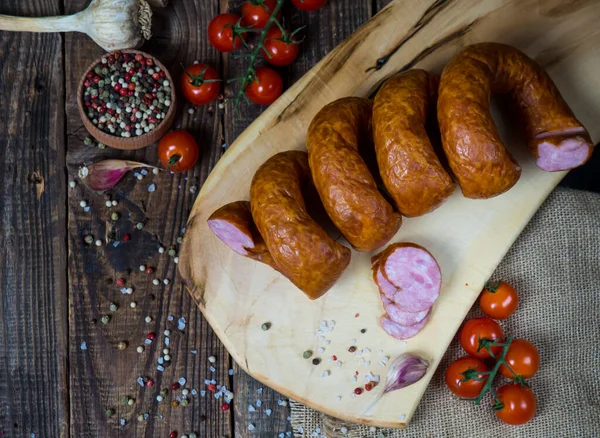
464, 378
256, 13
178, 151
498, 300
309, 5
280, 48
479, 336
515, 404
523, 359
200, 84
266, 86
225, 33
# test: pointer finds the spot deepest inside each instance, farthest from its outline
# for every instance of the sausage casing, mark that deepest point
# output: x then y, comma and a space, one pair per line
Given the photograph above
409, 167
302, 250
346, 187
470, 139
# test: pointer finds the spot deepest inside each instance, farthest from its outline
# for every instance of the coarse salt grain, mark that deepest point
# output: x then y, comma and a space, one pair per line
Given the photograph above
258, 403
366, 351
325, 373
182, 381
353, 379
320, 350
352, 341
384, 359
251, 408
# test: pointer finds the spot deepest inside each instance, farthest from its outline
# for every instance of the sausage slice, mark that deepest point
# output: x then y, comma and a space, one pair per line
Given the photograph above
470, 139
301, 249
342, 178
233, 224
402, 331
410, 169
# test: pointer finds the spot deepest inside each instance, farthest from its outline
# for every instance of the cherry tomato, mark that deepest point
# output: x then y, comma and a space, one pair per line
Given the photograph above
309, 5
200, 84
463, 369
266, 87
281, 52
519, 404
498, 300
523, 358
220, 33
178, 151
256, 13
479, 331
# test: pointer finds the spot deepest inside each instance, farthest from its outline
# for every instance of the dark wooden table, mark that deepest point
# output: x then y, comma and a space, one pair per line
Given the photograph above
60, 368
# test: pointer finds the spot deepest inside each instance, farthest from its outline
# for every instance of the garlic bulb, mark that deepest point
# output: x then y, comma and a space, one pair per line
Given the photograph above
112, 24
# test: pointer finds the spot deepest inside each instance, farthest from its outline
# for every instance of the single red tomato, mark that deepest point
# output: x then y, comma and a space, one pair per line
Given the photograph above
200, 84
266, 86
309, 5
498, 300
477, 333
523, 358
278, 50
221, 33
178, 151
518, 404
256, 13
463, 379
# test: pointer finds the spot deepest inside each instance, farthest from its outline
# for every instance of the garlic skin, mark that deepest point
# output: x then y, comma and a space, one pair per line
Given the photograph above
104, 175
112, 24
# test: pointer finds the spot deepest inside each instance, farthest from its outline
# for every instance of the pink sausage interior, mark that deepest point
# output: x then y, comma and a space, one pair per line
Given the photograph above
402, 331
417, 276
402, 317
569, 153
231, 235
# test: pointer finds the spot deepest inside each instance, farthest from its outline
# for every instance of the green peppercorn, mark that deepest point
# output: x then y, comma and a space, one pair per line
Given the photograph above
172, 252
109, 412
105, 319
139, 226
115, 216
307, 354
87, 141
266, 326
100, 83
185, 402
97, 70
113, 307
140, 418
89, 239
164, 392
134, 79
104, 71
101, 145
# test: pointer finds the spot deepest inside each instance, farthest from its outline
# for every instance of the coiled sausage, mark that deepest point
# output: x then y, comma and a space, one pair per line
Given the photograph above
301, 249
345, 185
470, 139
410, 169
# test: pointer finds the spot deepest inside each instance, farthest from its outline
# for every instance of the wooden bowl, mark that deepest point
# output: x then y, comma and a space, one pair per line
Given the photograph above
129, 143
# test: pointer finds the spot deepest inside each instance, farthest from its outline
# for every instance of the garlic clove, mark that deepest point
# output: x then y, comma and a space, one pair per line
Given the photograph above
104, 175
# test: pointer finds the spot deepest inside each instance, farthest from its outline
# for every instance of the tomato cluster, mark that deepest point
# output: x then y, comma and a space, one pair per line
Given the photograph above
489, 354
201, 84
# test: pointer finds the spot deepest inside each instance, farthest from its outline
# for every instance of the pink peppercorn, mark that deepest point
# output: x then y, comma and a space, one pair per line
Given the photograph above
151, 336
212, 387
127, 237
150, 383
358, 391
121, 281
175, 386
224, 407
173, 434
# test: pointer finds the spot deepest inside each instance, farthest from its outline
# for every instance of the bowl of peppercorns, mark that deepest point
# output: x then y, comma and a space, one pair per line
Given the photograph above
126, 99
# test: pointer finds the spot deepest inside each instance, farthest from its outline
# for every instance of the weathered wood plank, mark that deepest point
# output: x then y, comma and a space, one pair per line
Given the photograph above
325, 29
33, 302
102, 375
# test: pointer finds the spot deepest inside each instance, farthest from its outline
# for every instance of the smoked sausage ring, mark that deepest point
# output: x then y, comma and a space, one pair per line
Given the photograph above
301, 249
345, 185
470, 139
410, 169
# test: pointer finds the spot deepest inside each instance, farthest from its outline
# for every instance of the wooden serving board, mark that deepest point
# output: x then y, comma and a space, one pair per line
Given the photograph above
468, 237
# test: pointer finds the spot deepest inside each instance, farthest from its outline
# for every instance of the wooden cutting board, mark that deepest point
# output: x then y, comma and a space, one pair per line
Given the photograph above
468, 237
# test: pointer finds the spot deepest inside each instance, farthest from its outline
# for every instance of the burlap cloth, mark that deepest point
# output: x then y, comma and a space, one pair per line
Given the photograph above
555, 267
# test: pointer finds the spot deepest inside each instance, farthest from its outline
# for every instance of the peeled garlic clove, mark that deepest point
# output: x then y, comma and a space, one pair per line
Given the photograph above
104, 175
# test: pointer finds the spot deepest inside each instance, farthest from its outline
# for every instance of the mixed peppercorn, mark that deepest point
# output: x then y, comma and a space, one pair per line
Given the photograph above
126, 95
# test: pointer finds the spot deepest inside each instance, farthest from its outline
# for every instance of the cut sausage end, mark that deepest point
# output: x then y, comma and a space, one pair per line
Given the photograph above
402, 317
231, 235
416, 274
564, 154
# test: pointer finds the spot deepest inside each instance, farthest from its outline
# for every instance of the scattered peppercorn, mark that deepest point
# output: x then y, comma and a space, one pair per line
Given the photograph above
149, 270
109, 412
140, 417
174, 403
363, 331
225, 407
121, 281
140, 226
172, 252
173, 434
150, 383
105, 319
307, 354
352, 349
316, 361
358, 391
151, 336
115, 216
175, 386
126, 237
185, 402
122, 345
113, 307
89, 239
266, 326
368, 386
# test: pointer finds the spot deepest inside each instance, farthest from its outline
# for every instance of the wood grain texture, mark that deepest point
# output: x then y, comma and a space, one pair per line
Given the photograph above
460, 233
101, 375
34, 387
324, 30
